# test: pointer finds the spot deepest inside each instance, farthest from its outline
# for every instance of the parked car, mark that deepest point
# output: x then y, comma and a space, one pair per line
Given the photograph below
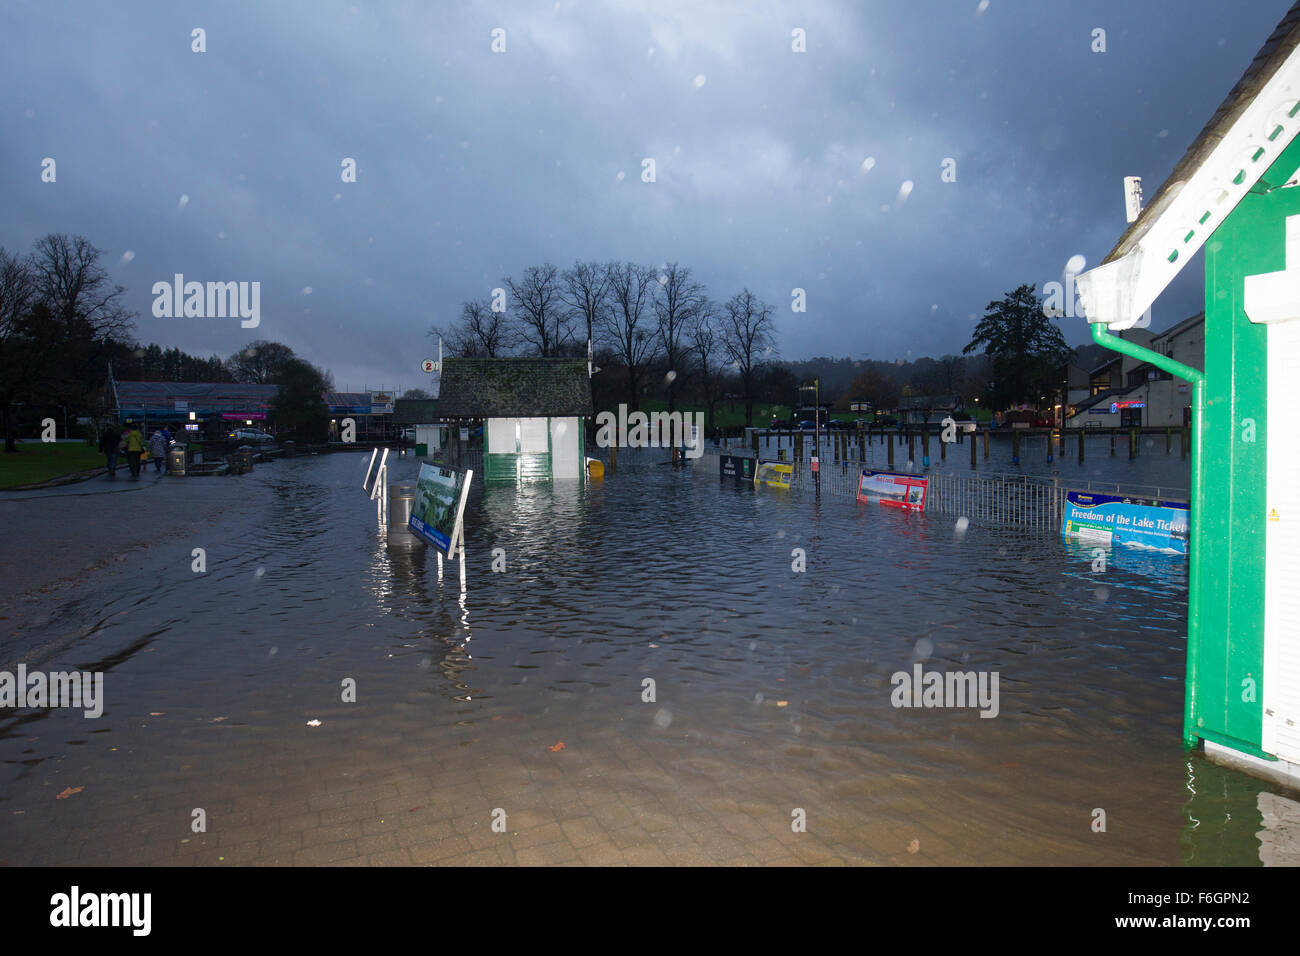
246, 435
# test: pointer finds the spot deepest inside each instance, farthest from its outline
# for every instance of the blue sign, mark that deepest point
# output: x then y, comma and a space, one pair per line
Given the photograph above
1146, 523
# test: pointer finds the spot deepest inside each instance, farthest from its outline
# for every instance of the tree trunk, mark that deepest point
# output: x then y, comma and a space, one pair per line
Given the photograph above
7, 417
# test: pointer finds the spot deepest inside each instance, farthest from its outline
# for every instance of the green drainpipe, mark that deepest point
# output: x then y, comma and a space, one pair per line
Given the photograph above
1101, 336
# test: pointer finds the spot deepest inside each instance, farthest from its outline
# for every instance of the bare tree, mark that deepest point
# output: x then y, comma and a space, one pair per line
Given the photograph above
76, 314
747, 337
480, 332
17, 295
704, 341
72, 284
627, 326
586, 292
542, 319
677, 303
259, 362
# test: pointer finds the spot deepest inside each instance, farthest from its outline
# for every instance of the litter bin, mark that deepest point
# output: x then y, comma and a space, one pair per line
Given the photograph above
176, 460
240, 460
401, 498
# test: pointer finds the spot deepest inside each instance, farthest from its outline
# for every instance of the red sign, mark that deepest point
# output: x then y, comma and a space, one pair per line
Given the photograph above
892, 488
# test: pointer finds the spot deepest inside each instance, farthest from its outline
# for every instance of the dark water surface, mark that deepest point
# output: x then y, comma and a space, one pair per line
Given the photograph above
772, 689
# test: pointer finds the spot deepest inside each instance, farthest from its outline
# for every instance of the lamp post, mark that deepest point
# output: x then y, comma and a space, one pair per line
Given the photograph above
815, 388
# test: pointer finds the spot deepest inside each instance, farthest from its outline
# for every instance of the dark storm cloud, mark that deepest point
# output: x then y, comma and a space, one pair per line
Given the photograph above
473, 164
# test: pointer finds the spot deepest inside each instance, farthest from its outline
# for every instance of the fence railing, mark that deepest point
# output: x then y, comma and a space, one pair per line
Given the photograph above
1001, 499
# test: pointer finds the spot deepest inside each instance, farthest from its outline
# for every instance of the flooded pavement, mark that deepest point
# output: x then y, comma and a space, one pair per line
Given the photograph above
522, 698
1152, 467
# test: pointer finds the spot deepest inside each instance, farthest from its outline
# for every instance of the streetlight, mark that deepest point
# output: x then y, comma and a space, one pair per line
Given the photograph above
815, 388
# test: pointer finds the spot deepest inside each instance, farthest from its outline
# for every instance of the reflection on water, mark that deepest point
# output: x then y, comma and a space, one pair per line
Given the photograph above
772, 686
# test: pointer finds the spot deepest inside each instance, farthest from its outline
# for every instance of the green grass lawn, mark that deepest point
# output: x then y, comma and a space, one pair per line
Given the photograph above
37, 461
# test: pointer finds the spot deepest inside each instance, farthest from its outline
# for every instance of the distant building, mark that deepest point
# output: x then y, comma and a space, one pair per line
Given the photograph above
534, 414
422, 414
926, 409
238, 405
1127, 393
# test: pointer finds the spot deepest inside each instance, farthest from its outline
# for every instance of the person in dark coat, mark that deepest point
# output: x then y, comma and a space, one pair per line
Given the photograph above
109, 439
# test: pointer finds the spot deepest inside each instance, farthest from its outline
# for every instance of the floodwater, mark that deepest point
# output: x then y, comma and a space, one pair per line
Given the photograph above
771, 690
1152, 467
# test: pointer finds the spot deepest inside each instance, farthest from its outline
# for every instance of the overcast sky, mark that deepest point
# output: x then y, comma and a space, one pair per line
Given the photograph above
774, 169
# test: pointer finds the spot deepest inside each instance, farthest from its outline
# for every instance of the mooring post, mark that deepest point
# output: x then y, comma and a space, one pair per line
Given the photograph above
1060, 441
1015, 446
975, 448
891, 454
911, 446
1169, 438
1081, 434
798, 446
987, 429
1112, 443
1132, 444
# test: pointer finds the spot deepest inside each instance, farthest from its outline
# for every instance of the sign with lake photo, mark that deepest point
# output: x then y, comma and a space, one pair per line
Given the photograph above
439, 506
1149, 523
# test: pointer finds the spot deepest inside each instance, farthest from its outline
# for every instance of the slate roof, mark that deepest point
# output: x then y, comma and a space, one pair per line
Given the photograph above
215, 397
514, 388
199, 396
415, 411
1270, 57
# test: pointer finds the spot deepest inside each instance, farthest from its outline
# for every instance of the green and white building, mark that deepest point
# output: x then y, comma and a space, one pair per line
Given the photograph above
1235, 194
533, 412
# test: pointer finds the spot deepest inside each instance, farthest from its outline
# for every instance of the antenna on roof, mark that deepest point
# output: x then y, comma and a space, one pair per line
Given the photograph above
1133, 197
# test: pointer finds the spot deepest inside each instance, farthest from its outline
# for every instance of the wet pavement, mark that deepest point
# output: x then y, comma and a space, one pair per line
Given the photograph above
522, 698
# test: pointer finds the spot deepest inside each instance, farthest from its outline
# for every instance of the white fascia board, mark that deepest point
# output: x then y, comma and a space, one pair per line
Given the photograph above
1119, 292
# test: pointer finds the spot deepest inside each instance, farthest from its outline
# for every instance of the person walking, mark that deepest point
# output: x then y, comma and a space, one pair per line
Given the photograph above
135, 448
109, 440
158, 449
